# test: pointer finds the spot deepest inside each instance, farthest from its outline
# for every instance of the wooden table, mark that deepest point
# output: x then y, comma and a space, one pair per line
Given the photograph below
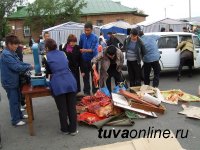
32, 92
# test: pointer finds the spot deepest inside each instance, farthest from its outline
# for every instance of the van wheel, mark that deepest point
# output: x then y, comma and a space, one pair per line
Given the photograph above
151, 74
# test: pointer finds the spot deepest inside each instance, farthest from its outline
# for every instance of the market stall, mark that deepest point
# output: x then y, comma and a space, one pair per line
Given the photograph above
60, 32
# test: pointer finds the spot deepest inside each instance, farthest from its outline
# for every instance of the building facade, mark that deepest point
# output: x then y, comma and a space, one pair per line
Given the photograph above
99, 12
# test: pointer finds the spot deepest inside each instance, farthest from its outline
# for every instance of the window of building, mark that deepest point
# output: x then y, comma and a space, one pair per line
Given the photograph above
99, 22
27, 31
120, 19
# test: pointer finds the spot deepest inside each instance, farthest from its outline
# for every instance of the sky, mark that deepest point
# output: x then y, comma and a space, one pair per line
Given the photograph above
175, 9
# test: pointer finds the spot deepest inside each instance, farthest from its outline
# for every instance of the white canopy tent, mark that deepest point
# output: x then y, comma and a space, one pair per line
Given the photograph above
167, 23
117, 24
60, 32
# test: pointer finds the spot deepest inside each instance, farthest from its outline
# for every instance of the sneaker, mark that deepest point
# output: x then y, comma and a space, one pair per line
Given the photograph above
74, 133
25, 117
24, 106
22, 109
20, 123
65, 132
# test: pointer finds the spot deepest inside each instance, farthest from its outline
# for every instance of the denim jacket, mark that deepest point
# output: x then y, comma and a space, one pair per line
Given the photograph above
11, 67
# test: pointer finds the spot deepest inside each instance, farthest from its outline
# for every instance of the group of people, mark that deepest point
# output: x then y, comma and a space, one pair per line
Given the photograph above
65, 66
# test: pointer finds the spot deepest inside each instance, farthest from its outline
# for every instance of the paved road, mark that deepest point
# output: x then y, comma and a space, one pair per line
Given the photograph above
46, 122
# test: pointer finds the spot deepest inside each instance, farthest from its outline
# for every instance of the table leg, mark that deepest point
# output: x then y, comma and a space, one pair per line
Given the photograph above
30, 115
32, 110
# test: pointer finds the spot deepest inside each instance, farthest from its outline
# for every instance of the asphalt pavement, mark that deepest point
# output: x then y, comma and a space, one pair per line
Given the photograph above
46, 123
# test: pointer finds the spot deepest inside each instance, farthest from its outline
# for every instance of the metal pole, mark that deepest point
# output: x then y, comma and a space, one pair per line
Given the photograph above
190, 10
165, 12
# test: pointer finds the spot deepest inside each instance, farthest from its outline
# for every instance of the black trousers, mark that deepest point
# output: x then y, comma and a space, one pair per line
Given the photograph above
147, 70
76, 74
86, 79
66, 104
112, 72
185, 61
134, 72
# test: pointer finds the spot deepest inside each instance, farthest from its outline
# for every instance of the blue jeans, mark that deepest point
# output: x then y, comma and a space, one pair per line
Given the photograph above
13, 95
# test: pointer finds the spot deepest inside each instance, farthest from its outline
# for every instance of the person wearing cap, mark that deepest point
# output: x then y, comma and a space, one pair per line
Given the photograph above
134, 49
112, 60
72, 51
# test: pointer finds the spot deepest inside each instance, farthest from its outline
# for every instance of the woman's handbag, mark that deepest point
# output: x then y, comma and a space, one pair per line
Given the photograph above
25, 78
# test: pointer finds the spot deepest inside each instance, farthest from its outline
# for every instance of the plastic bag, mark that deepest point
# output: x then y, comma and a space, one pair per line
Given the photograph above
96, 78
100, 111
89, 118
105, 91
118, 88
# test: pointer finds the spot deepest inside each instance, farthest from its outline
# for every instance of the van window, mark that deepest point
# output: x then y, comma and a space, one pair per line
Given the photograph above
196, 42
184, 37
167, 42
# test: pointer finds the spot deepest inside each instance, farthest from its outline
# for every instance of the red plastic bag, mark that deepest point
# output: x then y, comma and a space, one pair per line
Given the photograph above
89, 118
95, 77
100, 48
100, 96
87, 100
101, 111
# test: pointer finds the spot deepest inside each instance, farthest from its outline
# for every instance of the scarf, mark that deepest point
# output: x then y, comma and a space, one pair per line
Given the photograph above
69, 48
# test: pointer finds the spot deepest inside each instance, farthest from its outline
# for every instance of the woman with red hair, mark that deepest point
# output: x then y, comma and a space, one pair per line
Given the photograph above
73, 53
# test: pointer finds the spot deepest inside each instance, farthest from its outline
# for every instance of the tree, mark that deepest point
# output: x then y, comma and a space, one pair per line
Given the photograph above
49, 12
7, 7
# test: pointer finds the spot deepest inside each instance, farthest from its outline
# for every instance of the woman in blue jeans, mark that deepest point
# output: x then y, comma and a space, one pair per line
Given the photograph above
63, 86
11, 67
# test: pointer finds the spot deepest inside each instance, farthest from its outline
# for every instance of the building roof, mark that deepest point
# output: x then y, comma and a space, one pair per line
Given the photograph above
94, 7
104, 7
20, 13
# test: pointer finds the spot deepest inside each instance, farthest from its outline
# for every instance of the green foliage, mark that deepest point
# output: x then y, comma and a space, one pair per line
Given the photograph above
49, 12
6, 28
7, 7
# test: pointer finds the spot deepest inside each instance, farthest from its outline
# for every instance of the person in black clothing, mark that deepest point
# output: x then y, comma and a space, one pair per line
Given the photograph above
19, 52
162, 29
112, 40
74, 56
134, 49
31, 41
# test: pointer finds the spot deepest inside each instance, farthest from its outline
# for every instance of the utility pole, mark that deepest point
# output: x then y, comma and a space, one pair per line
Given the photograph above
190, 11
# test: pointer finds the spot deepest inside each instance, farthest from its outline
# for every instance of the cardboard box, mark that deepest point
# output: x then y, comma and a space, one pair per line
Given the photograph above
143, 144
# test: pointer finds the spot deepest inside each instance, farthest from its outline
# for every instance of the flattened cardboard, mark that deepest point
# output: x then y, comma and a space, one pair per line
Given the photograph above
160, 109
138, 103
120, 101
191, 111
143, 144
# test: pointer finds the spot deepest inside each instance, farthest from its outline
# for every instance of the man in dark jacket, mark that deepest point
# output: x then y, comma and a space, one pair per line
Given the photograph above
112, 40
134, 48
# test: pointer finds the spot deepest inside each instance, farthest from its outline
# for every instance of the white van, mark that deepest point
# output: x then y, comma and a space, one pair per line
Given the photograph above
167, 44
